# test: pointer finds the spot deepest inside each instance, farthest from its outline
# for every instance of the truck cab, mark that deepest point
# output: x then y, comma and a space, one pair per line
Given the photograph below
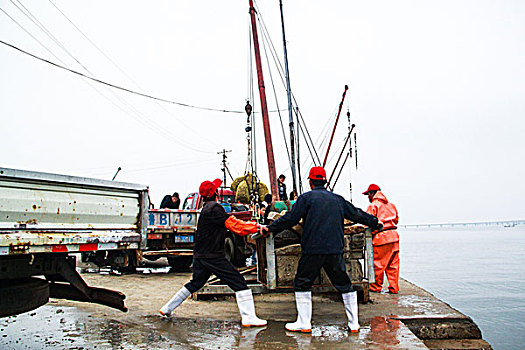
226, 198
170, 232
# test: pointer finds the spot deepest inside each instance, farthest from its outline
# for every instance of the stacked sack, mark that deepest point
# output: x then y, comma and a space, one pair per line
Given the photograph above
244, 185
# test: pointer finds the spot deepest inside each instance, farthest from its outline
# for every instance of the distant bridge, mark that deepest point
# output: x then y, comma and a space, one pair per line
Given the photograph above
506, 223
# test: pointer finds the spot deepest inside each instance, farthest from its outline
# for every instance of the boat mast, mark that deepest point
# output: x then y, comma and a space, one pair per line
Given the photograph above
335, 126
264, 108
290, 112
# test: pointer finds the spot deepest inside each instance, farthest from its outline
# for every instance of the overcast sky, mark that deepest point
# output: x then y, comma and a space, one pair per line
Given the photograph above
436, 90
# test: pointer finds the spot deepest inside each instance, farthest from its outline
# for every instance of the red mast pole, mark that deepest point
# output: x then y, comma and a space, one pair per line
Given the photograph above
335, 125
266, 121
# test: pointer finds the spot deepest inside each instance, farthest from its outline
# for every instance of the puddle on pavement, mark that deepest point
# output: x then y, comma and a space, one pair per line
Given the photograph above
59, 327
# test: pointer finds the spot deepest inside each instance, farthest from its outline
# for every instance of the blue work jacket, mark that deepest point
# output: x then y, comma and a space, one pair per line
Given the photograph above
324, 213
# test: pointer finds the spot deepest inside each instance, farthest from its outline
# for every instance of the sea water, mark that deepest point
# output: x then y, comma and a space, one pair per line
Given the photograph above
479, 271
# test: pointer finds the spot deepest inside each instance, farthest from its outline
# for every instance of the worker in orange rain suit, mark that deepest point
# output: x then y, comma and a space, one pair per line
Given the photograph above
386, 242
208, 256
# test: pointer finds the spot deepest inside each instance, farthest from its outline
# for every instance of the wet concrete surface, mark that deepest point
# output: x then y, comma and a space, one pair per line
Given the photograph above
214, 324
59, 327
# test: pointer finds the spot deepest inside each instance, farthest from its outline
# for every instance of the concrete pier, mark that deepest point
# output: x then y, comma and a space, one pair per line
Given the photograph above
412, 319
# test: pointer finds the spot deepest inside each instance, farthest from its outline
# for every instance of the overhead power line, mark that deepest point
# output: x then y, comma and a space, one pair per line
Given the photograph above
124, 105
122, 88
31, 35
179, 120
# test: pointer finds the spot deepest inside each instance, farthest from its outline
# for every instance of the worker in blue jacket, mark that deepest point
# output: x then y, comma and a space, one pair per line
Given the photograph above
322, 245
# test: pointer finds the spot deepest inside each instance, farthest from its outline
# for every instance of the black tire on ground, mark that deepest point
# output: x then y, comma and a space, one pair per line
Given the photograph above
18, 296
180, 263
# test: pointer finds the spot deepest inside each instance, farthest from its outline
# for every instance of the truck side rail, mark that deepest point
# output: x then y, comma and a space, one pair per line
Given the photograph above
41, 209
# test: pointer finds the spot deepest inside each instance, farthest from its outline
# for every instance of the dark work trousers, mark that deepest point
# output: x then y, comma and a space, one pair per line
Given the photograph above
220, 267
310, 267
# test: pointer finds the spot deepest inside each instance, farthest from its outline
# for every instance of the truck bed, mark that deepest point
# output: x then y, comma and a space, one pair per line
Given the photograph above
46, 213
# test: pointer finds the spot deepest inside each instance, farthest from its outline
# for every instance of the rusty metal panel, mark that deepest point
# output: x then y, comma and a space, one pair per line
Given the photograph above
54, 238
41, 204
45, 210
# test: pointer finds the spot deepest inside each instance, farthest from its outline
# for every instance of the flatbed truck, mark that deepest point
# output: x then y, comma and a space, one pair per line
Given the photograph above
45, 218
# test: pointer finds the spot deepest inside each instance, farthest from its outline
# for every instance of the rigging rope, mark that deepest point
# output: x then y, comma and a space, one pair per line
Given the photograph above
280, 69
264, 40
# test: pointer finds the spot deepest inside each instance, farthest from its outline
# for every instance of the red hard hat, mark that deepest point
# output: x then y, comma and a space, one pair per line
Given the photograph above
317, 173
208, 188
372, 187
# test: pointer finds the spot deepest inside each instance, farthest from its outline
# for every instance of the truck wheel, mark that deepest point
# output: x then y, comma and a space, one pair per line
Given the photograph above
229, 248
232, 254
18, 296
180, 263
130, 263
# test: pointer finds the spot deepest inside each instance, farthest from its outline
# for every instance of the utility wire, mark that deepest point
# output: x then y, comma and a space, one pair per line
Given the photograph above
94, 45
123, 72
122, 88
139, 117
39, 24
32, 36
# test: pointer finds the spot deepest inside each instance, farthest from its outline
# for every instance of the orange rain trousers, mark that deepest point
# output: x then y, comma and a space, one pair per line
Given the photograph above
386, 260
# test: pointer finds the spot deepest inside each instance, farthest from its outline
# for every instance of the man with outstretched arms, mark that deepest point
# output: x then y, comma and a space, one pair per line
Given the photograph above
322, 245
208, 256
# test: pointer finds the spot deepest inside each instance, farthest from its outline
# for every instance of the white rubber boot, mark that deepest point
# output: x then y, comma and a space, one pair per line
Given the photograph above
350, 301
174, 302
303, 300
247, 309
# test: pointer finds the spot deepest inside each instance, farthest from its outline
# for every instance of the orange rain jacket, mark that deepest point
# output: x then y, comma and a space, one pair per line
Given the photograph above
386, 212
240, 227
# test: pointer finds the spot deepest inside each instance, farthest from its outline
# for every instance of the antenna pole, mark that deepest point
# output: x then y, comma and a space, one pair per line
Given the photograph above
114, 176
224, 167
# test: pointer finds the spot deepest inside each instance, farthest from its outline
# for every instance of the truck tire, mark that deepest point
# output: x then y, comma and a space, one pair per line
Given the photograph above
18, 296
232, 254
229, 248
131, 262
180, 263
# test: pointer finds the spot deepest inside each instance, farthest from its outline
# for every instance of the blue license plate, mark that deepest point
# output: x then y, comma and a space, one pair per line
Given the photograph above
183, 239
